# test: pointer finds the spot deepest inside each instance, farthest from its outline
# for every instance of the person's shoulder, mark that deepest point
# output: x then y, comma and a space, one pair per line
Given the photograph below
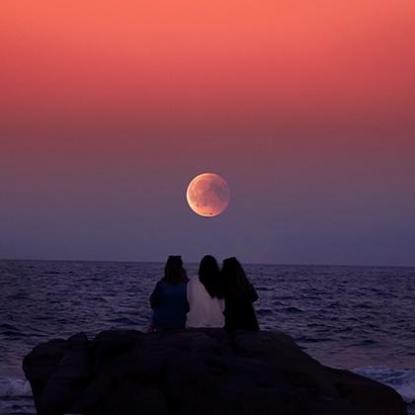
161, 283
195, 285
193, 280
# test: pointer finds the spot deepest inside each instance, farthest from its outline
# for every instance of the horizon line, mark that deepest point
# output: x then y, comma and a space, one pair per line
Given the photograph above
196, 262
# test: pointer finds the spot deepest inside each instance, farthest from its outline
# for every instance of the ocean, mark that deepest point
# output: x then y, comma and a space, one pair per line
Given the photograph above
358, 318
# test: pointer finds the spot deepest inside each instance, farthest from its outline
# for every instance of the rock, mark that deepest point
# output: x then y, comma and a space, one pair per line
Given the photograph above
196, 371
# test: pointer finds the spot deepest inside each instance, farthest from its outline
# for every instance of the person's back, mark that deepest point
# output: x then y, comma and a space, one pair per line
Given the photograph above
205, 298
205, 311
168, 300
239, 298
240, 313
170, 305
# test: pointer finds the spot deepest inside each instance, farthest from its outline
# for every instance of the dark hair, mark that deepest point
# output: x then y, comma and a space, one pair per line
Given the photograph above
174, 271
210, 277
235, 281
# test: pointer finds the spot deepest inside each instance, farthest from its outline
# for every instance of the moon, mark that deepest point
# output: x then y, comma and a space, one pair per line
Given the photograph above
208, 194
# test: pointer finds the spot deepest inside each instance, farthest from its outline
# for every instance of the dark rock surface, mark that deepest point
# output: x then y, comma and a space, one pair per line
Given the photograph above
196, 372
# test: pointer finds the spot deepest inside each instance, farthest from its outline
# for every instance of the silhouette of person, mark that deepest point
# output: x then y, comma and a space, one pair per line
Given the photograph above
168, 300
239, 297
205, 296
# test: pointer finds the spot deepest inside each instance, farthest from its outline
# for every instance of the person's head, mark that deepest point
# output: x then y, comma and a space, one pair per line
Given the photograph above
209, 276
174, 271
234, 278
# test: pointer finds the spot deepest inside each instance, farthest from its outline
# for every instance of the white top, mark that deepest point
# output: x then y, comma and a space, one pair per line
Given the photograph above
205, 311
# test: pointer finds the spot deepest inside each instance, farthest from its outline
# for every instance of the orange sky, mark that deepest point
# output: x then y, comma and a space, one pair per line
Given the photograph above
307, 89
196, 59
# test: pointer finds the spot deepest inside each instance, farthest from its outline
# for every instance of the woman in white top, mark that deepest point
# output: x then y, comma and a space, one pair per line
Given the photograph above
205, 296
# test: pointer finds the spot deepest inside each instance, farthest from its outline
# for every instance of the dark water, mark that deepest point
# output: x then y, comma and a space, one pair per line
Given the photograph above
358, 318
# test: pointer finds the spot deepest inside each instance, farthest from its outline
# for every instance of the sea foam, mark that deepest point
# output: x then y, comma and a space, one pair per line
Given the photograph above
402, 380
14, 387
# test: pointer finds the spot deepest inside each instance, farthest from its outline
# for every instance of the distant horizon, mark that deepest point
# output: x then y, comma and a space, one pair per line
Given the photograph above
195, 262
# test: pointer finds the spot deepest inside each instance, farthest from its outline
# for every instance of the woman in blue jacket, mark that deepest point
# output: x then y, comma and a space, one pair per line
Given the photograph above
168, 300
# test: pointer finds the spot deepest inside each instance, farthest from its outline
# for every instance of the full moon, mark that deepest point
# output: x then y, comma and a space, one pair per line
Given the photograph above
208, 194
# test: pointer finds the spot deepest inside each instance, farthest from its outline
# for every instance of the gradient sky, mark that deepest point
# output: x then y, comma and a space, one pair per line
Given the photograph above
108, 109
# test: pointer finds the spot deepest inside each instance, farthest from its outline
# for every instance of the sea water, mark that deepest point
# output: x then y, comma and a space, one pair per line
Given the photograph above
358, 318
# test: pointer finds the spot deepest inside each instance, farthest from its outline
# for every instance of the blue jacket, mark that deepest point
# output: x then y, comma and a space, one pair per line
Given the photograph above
169, 304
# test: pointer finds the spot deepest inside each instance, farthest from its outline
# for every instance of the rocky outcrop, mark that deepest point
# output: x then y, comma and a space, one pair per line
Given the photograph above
196, 372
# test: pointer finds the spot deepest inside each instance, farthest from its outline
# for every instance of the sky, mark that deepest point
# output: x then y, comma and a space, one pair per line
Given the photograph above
108, 109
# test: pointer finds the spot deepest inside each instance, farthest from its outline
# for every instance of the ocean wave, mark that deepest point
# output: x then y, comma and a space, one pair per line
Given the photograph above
293, 310
402, 380
264, 312
14, 387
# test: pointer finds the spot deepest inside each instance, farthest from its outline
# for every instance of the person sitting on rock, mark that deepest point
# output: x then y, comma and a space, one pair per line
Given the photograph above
205, 296
239, 297
168, 300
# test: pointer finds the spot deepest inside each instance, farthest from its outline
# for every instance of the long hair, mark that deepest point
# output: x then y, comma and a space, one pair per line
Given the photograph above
174, 271
210, 277
236, 283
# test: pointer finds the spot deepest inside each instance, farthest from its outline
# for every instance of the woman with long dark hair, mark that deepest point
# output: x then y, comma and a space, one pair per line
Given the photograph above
168, 300
205, 296
239, 296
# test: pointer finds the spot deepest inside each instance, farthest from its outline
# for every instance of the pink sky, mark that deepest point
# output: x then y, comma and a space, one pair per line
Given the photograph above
108, 110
